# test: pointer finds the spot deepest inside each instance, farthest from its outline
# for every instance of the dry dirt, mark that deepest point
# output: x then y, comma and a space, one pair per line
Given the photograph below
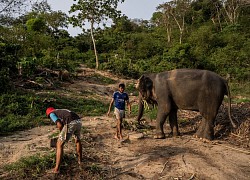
184, 157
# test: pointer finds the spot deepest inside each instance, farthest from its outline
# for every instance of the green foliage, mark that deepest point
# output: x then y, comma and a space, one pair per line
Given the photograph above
36, 24
89, 59
60, 60
93, 11
20, 103
121, 67
233, 56
8, 68
130, 88
128, 48
4, 80
180, 56
27, 66
20, 111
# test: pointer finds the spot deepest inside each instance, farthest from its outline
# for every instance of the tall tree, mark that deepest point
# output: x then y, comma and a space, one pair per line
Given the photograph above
54, 19
232, 9
95, 12
177, 10
166, 18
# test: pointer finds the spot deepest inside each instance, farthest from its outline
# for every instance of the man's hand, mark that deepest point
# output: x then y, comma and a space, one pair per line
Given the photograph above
59, 125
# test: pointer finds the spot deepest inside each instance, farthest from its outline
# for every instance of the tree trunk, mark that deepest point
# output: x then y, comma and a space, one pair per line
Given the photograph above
93, 40
231, 10
181, 27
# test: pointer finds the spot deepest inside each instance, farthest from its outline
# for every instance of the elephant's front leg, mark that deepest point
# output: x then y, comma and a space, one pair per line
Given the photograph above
161, 119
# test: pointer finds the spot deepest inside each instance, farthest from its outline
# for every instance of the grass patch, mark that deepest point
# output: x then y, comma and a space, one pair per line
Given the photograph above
150, 113
82, 106
21, 110
11, 123
87, 92
84, 130
99, 79
30, 167
240, 91
35, 167
53, 135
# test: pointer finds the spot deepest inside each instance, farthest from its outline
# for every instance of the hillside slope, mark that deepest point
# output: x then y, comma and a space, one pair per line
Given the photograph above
185, 157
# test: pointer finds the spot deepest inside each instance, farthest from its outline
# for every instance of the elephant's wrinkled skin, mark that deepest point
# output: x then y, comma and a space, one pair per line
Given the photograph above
187, 89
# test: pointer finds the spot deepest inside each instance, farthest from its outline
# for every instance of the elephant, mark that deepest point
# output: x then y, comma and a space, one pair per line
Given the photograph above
186, 89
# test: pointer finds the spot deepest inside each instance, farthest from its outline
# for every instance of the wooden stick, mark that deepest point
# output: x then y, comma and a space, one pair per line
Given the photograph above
192, 177
236, 135
236, 149
164, 166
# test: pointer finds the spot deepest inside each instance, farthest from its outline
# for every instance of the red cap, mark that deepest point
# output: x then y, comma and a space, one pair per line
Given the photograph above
49, 110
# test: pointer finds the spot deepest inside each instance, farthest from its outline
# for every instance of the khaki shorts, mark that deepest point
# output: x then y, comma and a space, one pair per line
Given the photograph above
73, 129
119, 114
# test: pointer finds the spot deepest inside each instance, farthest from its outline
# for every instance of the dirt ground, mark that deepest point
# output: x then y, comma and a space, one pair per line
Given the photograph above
183, 157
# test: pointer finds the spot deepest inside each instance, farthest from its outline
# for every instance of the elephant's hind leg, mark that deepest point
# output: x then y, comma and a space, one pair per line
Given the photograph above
206, 128
173, 123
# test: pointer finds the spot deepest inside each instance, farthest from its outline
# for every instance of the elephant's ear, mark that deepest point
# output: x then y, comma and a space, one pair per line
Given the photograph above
148, 87
145, 86
149, 83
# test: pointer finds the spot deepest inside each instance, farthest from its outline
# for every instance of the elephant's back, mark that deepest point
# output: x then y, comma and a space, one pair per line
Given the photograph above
188, 87
191, 80
195, 75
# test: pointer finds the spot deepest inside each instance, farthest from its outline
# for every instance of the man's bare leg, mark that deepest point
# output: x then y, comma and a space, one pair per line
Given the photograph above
59, 155
116, 134
79, 151
120, 128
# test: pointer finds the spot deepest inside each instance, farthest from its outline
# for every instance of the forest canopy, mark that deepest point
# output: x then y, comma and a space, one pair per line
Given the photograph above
202, 34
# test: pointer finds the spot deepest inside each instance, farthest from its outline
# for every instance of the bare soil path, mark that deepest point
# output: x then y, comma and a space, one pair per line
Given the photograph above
179, 158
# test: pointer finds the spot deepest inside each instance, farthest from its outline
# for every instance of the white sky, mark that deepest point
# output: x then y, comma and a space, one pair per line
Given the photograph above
141, 9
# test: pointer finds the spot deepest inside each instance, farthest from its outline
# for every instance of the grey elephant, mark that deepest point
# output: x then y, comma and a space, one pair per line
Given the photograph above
187, 89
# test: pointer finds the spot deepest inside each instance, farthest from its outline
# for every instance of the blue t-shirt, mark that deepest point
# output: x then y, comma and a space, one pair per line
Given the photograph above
120, 99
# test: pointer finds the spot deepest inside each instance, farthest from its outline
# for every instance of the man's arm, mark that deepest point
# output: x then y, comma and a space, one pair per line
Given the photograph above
59, 125
56, 120
110, 106
129, 107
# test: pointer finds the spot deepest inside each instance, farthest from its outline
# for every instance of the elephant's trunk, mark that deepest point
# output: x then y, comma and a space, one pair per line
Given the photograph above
141, 108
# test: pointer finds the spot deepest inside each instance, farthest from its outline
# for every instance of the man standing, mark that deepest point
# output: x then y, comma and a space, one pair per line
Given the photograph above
119, 98
69, 124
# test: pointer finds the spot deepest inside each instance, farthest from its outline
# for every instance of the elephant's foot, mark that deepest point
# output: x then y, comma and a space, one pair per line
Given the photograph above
204, 136
159, 136
174, 134
205, 131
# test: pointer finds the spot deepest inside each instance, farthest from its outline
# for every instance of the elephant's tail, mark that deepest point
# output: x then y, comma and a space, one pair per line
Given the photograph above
229, 104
